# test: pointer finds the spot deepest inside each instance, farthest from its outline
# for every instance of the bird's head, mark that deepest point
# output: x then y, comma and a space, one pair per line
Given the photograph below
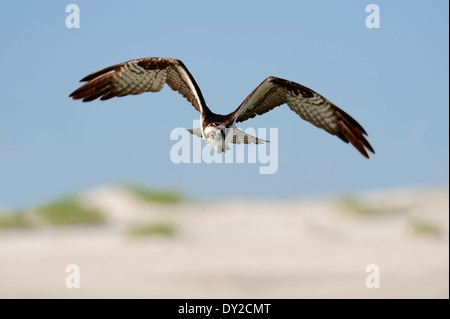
213, 133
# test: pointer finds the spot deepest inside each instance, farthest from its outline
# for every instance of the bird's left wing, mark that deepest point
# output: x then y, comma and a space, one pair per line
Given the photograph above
309, 105
138, 76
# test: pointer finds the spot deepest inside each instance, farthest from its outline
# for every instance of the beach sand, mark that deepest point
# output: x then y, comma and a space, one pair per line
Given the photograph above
311, 247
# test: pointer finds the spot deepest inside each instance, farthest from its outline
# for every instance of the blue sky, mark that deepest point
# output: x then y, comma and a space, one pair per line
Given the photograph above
393, 80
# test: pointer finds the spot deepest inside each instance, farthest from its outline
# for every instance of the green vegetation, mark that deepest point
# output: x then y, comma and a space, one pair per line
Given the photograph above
68, 211
155, 196
17, 220
423, 228
351, 204
148, 230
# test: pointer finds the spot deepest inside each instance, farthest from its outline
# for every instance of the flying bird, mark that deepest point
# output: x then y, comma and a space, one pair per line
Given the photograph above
150, 74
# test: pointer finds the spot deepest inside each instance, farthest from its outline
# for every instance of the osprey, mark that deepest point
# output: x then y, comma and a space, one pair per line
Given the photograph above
150, 74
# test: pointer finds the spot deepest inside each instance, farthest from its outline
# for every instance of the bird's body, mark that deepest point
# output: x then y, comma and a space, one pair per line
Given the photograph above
150, 74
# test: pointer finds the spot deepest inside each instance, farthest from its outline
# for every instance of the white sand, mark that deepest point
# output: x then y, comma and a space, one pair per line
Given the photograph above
237, 249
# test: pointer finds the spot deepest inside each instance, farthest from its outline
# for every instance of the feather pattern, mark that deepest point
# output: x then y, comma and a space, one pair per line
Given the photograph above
309, 105
151, 74
138, 76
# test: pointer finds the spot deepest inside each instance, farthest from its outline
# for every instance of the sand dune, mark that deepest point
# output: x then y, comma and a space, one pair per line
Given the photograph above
305, 248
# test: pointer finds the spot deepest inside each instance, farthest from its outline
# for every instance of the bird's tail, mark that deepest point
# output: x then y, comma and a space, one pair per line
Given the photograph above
239, 137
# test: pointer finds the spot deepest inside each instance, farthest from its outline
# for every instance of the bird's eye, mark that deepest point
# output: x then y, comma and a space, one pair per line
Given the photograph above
211, 133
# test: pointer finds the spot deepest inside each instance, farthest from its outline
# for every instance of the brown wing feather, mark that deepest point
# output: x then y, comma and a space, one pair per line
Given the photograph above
139, 76
309, 105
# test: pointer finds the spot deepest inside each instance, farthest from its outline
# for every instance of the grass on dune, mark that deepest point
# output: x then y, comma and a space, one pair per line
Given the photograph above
14, 221
151, 229
155, 196
424, 228
68, 211
355, 206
